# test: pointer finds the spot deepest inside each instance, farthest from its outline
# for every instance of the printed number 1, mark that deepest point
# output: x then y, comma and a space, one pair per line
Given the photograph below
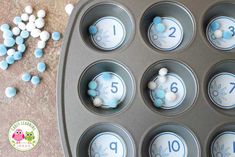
233, 84
114, 30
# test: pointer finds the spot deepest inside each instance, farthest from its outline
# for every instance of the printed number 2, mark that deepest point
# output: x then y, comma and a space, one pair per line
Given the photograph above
173, 146
233, 84
232, 29
173, 32
114, 87
174, 88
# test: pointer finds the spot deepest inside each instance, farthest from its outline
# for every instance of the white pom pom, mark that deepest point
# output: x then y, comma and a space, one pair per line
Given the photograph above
39, 23
11, 52
44, 36
163, 71
218, 34
152, 85
25, 17
41, 44
97, 102
170, 96
16, 31
69, 8
30, 26
32, 18
22, 26
35, 33
162, 79
28, 9
41, 13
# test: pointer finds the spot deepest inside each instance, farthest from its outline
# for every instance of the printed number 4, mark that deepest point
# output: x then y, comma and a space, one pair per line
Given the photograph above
233, 84
114, 87
173, 32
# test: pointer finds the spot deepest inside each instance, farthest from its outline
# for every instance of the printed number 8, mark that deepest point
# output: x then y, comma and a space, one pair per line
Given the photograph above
174, 87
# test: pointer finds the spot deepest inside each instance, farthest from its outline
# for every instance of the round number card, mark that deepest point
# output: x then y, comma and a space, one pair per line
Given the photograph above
169, 93
220, 33
107, 144
108, 33
165, 33
107, 90
224, 145
221, 90
168, 144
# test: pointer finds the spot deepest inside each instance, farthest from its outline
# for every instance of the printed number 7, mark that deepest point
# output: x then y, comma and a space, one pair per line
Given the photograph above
233, 84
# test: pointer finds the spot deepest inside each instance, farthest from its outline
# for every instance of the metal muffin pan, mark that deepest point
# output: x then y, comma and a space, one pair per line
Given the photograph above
197, 120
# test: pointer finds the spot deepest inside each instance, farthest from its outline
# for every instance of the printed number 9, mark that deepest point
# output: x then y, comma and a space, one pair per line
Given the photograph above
114, 87
174, 87
232, 29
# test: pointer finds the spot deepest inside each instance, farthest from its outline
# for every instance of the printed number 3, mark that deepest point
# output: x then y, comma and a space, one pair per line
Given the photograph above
173, 32
114, 87
232, 29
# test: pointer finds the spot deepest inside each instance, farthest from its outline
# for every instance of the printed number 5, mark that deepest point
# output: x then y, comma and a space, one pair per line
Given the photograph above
114, 87
232, 29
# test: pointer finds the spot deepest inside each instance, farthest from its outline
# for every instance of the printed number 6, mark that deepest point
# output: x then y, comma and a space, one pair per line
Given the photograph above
174, 88
114, 87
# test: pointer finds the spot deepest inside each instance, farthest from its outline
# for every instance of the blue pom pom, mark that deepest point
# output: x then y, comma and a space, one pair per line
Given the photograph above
7, 34
38, 53
17, 56
3, 50
93, 30
10, 59
160, 93
160, 28
56, 36
21, 48
24, 34
4, 27
112, 103
93, 85
106, 76
26, 77
41, 67
158, 103
227, 35
35, 80
19, 40
10, 92
4, 65
9, 42
17, 20
92, 93
157, 20
215, 26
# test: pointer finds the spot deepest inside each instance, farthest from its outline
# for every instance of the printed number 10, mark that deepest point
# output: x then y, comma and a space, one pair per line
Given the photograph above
173, 146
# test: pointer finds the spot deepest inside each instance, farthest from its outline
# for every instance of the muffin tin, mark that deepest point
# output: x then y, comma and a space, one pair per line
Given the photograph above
121, 45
